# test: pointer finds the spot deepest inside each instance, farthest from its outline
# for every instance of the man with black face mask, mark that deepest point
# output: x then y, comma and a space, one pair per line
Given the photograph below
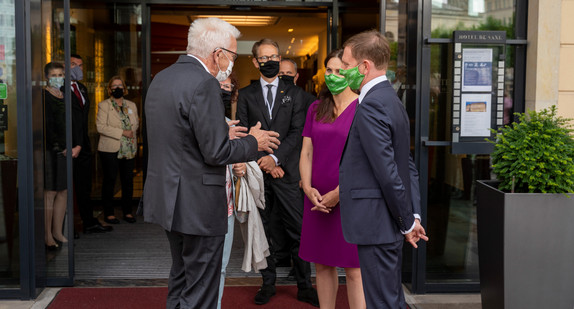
81, 149
279, 107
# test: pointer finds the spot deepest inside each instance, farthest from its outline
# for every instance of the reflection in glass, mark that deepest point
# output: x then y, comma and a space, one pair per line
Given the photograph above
450, 15
9, 238
452, 253
55, 183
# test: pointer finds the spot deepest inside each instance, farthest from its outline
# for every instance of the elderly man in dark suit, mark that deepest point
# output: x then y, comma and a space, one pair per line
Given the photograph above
279, 107
82, 148
379, 194
189, 146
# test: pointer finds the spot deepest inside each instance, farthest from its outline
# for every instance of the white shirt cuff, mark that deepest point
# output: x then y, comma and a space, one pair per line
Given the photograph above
417, 216
274, 158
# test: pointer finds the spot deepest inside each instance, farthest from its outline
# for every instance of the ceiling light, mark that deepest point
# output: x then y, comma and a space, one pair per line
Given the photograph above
290, 30
287, 52
289, 47
292, 40
243, 20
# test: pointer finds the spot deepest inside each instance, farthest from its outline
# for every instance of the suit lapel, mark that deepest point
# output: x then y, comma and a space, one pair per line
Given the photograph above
349, 134
261, 106
281, 90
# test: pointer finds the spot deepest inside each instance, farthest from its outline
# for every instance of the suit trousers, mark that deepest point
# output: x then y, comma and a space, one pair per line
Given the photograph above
83, 188
195, 270
286, 201
381, 274
110, 166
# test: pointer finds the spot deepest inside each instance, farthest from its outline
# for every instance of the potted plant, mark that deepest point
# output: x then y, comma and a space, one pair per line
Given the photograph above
524, 218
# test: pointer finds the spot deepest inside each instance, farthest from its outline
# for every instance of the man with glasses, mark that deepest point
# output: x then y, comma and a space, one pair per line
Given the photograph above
190, 145
279, 107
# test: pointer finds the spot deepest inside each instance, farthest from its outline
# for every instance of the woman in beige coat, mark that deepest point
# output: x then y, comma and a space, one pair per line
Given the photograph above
117, 123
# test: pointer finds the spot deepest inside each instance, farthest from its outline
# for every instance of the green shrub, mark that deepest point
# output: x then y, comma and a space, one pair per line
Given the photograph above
536, 154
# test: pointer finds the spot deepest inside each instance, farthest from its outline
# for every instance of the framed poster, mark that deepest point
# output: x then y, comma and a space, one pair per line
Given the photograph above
476, 117
476, 69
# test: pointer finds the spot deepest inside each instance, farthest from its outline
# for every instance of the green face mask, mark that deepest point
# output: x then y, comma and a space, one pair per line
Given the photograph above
336, 84
353, 77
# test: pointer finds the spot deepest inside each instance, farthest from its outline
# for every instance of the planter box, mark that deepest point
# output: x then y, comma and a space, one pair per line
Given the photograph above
526, 249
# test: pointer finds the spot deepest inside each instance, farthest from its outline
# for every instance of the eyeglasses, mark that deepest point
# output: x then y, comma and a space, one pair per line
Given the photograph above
267, 58
228, 87
234, 54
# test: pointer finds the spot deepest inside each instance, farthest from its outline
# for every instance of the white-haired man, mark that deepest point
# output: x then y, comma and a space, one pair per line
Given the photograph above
189, 146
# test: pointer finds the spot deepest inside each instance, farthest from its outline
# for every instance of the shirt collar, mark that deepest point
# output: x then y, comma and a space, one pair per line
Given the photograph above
203, 64
264, 84
370, 85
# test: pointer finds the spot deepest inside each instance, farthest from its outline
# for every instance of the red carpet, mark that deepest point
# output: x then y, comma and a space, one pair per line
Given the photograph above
234, 297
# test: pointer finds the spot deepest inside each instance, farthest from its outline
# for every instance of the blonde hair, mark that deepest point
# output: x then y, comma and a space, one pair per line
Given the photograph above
116, 77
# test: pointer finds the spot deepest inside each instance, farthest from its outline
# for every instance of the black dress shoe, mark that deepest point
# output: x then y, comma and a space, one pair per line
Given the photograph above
112, 221
130, 219
53, 247
97, 228
264, 294
308, 295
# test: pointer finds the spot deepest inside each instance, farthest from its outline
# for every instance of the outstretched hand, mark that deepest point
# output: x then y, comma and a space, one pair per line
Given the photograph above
416, 234
236, 131
266, 140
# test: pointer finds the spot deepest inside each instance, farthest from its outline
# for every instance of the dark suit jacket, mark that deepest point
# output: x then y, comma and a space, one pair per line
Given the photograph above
378, 180
80, 121
288, 120
189, 146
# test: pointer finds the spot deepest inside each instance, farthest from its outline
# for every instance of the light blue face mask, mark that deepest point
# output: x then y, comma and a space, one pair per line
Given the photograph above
56, 82
76, 73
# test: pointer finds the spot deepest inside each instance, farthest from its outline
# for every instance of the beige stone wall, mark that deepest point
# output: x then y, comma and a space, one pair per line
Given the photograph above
550, 56
566, 71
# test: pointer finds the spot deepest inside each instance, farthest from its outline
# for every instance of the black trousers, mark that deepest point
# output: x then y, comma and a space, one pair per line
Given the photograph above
110, 166
195, 271
381, 274
83, 188
285, 201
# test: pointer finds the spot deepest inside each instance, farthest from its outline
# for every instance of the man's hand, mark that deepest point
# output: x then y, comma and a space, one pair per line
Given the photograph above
277, 172
236, 132
416, 234
75, 151
266, 140
239, 169
266, 164
331, 198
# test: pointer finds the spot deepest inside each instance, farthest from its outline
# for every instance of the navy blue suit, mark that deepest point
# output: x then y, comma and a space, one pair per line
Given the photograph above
379, 192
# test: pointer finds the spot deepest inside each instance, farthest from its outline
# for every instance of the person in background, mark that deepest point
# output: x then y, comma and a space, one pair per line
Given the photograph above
55, 179
229, 90
324, 136
288, 71
82, 149
378, 181
190, 145
278, 106
117, 122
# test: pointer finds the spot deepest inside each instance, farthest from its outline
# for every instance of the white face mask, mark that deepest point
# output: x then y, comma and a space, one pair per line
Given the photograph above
56, 82
223, 75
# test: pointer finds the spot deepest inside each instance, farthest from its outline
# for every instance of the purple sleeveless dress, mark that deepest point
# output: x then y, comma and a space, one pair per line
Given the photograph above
322, 235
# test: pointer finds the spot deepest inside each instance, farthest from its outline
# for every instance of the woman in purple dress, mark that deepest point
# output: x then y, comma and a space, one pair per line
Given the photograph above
328, 122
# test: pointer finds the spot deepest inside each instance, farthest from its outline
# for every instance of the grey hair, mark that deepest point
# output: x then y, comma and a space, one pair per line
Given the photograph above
292, 61
207, 34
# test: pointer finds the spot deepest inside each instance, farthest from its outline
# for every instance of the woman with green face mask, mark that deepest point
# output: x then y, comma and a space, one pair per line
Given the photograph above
328, 122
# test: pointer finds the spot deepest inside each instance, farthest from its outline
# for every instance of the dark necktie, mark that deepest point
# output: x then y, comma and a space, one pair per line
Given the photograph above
77, 92
270, 99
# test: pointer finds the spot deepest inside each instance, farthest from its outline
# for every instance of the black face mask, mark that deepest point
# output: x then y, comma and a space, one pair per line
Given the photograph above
269, 69
288, 79
117, 93
226, 97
